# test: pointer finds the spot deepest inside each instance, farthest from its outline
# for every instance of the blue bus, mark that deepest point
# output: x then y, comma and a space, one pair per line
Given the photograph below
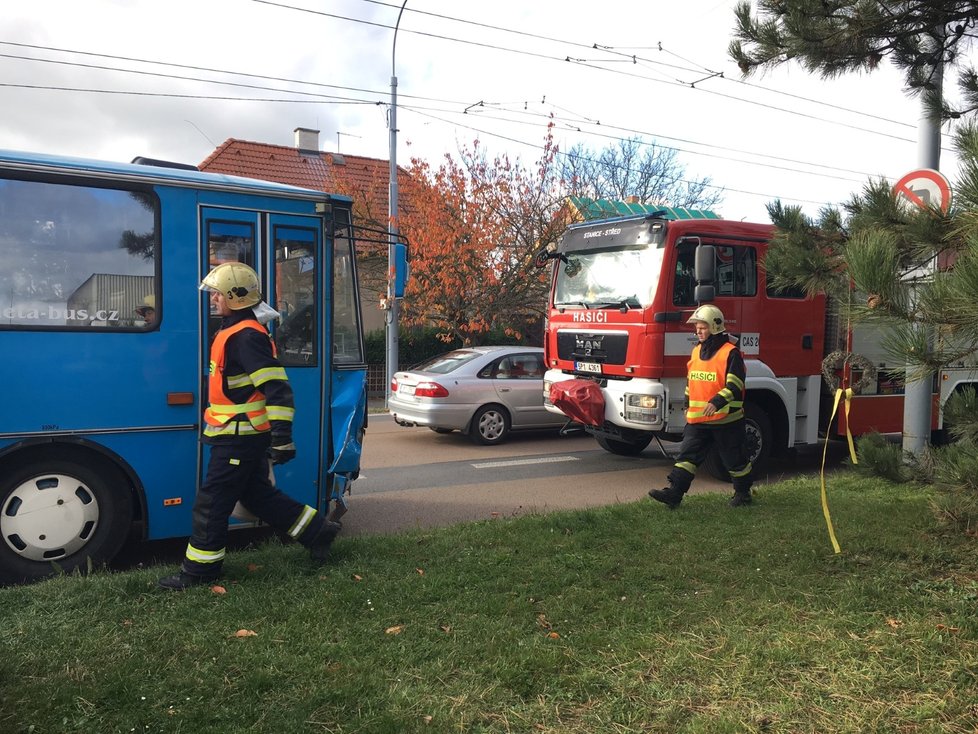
105, 340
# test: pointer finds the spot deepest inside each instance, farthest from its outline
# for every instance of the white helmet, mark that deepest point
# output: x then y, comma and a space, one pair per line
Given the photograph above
709, 315
237, 282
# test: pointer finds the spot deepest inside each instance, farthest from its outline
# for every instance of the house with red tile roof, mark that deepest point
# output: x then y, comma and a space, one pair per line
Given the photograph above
365, 180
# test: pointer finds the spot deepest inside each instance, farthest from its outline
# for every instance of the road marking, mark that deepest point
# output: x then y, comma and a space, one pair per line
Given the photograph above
522, 462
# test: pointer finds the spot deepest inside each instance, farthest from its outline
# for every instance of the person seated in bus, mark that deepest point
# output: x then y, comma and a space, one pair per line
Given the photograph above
147, 312
248, 422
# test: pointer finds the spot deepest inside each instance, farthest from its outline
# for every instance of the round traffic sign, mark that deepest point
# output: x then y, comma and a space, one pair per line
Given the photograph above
924, 188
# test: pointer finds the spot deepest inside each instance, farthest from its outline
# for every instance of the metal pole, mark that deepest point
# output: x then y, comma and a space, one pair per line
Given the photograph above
392, 303
917, 393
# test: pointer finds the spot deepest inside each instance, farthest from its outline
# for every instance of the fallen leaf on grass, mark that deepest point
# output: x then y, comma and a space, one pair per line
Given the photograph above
427, 719
446, 628
894, 623
246, 633
357, 577
945, 628
543, 622
420, 571
553, 636
252, 567
395, 630
218, 589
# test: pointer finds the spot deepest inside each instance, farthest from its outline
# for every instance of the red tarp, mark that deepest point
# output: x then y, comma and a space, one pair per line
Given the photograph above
580, 400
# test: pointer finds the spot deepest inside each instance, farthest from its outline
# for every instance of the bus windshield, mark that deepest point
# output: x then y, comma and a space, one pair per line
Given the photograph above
620, 277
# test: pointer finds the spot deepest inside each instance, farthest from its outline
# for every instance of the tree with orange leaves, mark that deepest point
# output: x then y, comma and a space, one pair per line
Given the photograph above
473, 228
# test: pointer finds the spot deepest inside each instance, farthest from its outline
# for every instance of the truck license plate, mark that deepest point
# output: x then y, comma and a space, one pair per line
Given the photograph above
588, 367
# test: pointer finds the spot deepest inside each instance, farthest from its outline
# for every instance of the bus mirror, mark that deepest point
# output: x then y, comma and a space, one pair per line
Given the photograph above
705, 264
402, 270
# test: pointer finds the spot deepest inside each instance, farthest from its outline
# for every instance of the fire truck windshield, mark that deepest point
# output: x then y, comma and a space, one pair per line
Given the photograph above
619, 277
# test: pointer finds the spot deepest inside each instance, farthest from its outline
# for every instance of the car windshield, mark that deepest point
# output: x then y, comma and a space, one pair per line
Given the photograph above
608, 277
445, 363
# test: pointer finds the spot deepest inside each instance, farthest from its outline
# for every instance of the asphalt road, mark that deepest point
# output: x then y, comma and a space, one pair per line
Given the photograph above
415, 478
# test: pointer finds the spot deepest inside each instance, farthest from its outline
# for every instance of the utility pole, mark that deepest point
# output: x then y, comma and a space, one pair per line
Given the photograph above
917, 393
392, 303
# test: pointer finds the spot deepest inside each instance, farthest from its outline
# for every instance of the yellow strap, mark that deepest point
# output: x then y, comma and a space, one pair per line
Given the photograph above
847, 393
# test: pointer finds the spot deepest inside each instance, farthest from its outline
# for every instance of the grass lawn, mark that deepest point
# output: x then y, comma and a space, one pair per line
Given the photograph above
629, 618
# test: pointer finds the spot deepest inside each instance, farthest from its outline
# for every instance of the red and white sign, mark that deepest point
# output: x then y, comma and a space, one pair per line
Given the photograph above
924, 188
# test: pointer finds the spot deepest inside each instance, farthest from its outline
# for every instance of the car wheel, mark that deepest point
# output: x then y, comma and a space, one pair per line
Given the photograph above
757, 426
490, 425
624, 448
59, 514
440, 430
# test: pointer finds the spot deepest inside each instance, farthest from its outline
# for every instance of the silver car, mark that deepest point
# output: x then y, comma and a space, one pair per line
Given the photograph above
484, 392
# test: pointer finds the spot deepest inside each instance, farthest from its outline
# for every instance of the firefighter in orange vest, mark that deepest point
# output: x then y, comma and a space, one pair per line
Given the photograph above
715, 394
248, 423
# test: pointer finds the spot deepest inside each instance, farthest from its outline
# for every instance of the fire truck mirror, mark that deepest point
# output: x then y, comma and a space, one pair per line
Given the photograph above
704, 293
705, 264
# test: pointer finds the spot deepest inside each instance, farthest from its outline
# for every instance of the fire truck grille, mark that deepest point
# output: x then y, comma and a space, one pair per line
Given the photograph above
600, 347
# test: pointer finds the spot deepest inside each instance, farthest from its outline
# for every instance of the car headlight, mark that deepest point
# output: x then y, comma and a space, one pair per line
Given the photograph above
642, 408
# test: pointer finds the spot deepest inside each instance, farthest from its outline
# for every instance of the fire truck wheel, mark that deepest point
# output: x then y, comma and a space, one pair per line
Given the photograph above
490, 425
759, 438
60, 515
624, 448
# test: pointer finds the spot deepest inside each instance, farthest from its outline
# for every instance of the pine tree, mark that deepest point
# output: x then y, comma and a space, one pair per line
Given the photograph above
834, 37
912, 273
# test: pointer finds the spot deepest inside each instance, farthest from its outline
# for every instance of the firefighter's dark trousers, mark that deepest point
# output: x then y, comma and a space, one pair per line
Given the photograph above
235, 473
731, 443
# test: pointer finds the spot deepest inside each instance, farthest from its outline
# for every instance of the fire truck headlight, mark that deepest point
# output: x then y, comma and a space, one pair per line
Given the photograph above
642, 408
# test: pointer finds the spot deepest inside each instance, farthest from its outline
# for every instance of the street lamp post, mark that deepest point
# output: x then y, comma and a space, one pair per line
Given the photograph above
392, 302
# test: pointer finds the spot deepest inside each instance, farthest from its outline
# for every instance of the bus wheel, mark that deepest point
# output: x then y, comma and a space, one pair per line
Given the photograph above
624, 448
60, 515
757, 426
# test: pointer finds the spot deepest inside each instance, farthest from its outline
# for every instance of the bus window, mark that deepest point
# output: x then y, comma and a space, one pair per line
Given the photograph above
295, 295
347, 345
227, 241
76, 256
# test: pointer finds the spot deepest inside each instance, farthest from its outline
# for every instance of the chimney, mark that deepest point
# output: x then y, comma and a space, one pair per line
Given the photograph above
632, 200
306, 140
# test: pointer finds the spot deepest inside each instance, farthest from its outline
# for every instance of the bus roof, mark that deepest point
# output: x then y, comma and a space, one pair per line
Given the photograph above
162, 175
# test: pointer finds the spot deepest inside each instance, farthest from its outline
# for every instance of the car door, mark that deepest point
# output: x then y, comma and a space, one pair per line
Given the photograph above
518, 381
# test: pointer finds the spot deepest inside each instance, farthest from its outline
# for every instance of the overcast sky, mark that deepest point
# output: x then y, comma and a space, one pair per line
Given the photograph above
119, 78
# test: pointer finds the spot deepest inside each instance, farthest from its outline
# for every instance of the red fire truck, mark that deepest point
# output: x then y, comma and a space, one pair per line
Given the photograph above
621, 293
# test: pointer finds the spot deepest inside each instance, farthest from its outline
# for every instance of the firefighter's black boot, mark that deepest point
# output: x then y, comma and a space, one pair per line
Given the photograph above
740, 499
742, 495
319, 547
669, 496
182, 580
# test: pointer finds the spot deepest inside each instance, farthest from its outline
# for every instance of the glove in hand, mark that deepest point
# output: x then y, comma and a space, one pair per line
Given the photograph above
282, 453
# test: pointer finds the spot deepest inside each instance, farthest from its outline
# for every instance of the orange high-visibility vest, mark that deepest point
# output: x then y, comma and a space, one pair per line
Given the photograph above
705, 378
221, 410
